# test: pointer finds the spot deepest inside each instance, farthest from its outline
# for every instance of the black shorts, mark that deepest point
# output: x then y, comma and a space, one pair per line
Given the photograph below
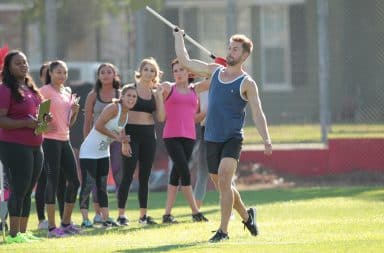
219, 150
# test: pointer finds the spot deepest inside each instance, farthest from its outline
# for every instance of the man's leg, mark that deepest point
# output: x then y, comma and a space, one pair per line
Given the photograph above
238, 204
226, 171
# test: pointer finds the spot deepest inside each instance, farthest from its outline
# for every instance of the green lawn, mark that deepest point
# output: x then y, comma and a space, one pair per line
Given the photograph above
331, 219
311, 133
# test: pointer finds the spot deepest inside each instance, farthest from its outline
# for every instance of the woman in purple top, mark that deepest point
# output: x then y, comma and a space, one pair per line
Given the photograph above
179, 134
20, 149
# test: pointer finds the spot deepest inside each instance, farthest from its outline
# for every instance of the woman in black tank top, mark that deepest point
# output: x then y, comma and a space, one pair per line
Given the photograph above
141, 129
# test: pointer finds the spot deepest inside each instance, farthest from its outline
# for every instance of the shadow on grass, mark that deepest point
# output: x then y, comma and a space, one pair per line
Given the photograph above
161, 248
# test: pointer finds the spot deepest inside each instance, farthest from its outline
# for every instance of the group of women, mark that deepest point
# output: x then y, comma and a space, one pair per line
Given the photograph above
119, 132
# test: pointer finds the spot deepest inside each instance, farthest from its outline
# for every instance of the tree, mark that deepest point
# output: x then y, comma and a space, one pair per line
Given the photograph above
75, 18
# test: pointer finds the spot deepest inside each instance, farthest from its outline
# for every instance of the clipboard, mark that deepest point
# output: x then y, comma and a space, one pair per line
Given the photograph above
42, 119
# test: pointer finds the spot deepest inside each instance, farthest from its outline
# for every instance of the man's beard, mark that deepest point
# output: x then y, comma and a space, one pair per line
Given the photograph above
231, 61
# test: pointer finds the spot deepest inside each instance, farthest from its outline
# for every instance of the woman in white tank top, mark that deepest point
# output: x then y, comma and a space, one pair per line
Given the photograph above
94, 151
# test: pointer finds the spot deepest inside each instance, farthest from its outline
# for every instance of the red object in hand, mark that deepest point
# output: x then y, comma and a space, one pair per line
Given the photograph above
221, 61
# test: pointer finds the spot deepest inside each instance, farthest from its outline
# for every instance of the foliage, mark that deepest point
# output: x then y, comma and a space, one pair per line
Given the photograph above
77, 18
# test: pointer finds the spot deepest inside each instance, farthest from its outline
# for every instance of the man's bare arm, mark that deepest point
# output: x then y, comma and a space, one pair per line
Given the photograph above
196, 66
251, 92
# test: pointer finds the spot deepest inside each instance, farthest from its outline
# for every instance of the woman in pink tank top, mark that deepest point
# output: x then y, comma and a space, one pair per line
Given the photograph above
179, 134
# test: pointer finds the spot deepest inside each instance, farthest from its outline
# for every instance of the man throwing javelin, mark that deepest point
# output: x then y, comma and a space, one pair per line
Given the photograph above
230, 90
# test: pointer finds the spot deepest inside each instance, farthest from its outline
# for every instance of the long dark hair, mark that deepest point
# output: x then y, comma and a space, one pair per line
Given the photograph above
10, 81
116, 83
52, 66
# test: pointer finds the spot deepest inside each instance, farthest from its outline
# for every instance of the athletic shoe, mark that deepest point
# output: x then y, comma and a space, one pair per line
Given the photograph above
5, 226
123, 221
219, 236
147, 220
197, 217
19, 238
56, 233
97, 219
250, 224
43, 225
110, 223
70, 229
31, 237
86, 224
169, 219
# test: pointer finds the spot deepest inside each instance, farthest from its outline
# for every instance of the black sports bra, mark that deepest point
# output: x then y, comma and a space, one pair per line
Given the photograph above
144, 105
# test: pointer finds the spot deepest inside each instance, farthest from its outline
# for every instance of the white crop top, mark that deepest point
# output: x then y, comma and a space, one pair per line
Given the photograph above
96, 145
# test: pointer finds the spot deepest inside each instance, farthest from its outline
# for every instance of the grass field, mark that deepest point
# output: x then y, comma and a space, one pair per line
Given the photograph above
311, 133
315, 219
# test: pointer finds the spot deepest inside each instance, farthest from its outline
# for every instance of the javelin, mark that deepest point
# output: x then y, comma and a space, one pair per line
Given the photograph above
175, 28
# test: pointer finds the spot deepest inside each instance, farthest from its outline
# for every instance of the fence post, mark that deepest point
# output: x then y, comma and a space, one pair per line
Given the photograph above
323, 50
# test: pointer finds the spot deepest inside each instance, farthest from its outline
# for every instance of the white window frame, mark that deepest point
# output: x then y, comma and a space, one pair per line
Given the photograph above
286, 85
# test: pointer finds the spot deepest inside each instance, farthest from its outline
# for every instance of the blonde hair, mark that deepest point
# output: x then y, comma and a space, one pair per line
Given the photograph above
154, 63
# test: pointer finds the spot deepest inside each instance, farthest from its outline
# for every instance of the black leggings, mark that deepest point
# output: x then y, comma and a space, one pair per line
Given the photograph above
143, 145
22, 165
95, 172
115, 165
180, 150
60, 162
40, 194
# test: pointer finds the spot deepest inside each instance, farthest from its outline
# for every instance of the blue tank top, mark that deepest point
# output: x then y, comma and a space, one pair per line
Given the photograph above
226, 109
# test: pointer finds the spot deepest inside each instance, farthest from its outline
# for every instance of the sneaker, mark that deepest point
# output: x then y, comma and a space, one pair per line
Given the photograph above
197, 217
169, 219
31, 237
123, 221
19, 238
250, 224
97, 219
5, 226
219, 236
86, 224
147, 220
56, 233
110, 223
43, 225
70, 229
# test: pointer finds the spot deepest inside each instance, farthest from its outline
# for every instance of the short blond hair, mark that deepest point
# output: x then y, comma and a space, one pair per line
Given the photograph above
246, 42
